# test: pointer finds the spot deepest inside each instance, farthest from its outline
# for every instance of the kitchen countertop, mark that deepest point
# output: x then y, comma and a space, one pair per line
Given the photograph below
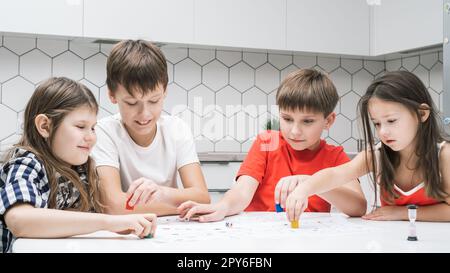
219, 157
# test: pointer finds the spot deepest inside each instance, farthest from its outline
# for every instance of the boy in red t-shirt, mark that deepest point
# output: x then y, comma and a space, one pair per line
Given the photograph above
279, 160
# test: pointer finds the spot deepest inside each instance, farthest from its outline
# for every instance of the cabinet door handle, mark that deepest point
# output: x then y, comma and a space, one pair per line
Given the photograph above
218, 190
215, 162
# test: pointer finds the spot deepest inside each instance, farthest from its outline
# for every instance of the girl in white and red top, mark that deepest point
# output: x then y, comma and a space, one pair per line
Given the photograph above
416, 195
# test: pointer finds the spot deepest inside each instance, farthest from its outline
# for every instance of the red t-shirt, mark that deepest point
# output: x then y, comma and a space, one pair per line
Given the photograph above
272, 158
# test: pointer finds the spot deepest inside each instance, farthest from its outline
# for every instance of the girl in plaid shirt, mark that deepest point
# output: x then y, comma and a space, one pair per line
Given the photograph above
48, 184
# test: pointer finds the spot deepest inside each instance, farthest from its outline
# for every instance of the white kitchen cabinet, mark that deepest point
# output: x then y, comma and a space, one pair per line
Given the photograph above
45, 17
241, 23
328, 26
400, 25
170, 21
219, 176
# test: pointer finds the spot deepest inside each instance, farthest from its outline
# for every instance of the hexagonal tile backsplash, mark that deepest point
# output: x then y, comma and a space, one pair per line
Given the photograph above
225, 96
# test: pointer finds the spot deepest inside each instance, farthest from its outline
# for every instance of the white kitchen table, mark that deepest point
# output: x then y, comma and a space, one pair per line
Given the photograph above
259, 232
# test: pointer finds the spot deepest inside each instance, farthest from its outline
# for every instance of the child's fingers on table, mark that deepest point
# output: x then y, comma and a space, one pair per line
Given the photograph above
135, 197
287, 208
295, 209
370, 216
192, 211
137, 228
153, 228
186, 205
295, 212
290, 209
151, 217
204, 212
182, 213
140, 192
289, 214
295, 205
147, 227
366, 216
184, 208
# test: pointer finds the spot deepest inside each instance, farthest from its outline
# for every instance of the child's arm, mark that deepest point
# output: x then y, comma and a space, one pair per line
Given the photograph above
194, 186
234, 201
348, 199
144, 191
24, 220
115, 199
431, 213
323, 181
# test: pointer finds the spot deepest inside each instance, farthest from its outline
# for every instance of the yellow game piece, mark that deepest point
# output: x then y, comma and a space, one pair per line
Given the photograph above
294, 224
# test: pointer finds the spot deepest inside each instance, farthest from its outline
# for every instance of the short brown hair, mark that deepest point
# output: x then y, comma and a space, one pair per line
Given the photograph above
137, 65
307, 89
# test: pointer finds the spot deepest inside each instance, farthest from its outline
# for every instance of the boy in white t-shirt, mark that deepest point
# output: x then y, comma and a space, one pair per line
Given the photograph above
138, 151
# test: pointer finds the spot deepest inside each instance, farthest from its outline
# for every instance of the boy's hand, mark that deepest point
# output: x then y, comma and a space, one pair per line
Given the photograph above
143, 191
285, 186
206, 212
388, 213
296, 203
139, 224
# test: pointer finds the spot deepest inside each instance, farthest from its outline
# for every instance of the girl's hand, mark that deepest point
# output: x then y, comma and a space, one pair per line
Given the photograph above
139, 224
296, 203
205, 212
388, 213
143, 191
285, 186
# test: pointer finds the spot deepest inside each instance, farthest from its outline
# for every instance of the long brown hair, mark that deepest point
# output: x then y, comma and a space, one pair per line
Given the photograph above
55, 98
406, 88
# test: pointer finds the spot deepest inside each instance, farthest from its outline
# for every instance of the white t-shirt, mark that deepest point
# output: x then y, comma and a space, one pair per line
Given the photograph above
172, 148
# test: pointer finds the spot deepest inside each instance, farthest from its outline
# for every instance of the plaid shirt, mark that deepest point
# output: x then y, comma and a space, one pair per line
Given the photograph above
23, 179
